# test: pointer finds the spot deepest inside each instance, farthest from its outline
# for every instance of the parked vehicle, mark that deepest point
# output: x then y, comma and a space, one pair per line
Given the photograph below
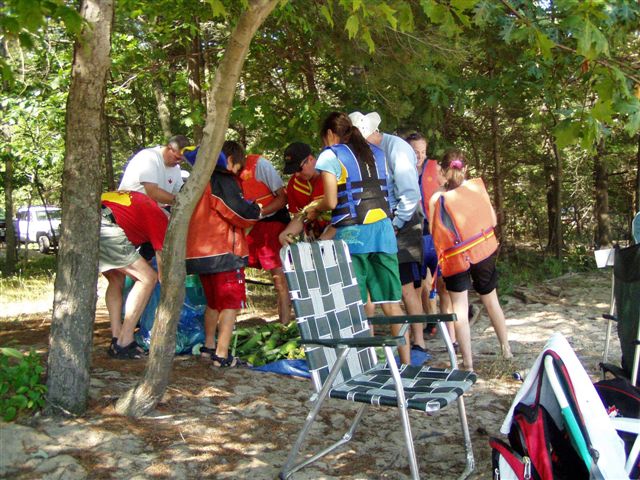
39, 224
3, 226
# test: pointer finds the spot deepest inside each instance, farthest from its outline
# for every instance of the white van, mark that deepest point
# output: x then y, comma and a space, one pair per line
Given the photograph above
39, 224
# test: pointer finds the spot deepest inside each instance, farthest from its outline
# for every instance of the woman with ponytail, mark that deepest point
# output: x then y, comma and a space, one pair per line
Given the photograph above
355, 190
462, 223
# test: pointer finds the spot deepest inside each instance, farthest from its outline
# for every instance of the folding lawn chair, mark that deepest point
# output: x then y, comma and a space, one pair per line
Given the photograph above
342, 361
625, 310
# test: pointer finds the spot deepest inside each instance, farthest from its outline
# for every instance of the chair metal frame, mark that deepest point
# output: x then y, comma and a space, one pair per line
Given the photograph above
343, 347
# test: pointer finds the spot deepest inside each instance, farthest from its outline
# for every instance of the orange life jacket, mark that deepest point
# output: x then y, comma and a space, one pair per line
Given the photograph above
252, 188
463, 227
429, 183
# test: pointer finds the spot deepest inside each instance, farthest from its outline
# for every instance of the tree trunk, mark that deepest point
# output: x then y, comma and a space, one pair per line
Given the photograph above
637, 192
164, 115
148, 392
194, 69
498, 193
11, 255
110, 180
601, 207
70, 341
554, 201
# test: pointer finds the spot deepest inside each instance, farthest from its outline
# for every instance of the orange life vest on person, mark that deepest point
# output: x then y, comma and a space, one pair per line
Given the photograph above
463, 227
429, 183
252, 188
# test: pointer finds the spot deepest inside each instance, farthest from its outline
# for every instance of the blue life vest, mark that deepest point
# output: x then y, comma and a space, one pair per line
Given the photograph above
362, 191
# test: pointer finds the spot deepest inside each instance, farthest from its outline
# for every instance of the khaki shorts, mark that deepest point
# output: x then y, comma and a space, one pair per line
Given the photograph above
116, 251
377, 274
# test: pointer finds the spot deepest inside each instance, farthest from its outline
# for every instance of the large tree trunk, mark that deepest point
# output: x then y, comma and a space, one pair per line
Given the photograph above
601, 207
11, 256
70, 341
498, 193
637, 192
110, 179
163, 109
144, 396
554, 201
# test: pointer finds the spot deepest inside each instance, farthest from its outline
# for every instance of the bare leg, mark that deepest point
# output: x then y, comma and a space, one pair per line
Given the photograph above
113, 299
460, 302
284, 306
496, 315
210, 327
226, 320
370, 311
446, 307
429, 305
413, 306
145, 280
394, 310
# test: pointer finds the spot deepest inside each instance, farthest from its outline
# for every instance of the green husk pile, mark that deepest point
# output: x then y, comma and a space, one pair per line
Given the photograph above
267, 343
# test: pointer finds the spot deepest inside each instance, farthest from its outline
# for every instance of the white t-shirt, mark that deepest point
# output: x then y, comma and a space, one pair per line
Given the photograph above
148, 166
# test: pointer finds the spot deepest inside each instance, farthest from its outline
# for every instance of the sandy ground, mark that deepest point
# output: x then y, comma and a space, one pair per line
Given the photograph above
215, 423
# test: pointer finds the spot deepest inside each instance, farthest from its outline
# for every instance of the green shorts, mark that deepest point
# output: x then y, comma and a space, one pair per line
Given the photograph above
116, 251
377, 273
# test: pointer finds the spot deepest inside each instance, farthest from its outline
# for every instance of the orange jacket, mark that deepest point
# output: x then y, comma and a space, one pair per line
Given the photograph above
252, 188
463, 227
429, 183
216, 241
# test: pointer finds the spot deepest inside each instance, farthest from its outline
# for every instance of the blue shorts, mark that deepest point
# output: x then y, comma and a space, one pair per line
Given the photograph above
430, 259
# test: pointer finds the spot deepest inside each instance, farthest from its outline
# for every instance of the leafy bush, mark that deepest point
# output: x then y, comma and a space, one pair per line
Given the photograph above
21, 386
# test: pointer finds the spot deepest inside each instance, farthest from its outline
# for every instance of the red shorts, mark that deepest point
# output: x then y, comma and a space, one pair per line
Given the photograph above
225, 290
264, 246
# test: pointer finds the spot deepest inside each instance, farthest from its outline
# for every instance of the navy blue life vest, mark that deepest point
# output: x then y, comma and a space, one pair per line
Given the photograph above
362, 191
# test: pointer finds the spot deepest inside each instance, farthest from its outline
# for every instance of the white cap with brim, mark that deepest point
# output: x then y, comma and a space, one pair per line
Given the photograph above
367, 124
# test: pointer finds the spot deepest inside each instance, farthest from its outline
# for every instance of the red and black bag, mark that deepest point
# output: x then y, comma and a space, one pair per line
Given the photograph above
537, 449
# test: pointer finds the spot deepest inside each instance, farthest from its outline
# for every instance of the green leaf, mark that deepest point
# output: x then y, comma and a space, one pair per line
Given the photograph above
11, 352
352, 26
30, 14
217, 8
567, 132
366, 36
545, 44
602, 111
72, 20
327, 15
389, 13
463, 4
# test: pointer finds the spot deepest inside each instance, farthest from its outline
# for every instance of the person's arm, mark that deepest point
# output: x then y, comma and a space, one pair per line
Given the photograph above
227, 200
330, 198
432, 207
158, 194
406, 189
276, 204
294, 228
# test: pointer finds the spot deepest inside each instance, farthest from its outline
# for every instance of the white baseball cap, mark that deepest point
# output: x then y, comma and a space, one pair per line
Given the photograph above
367, 124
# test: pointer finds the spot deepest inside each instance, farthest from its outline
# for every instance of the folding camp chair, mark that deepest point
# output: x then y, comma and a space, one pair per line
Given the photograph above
625, 310
342, 361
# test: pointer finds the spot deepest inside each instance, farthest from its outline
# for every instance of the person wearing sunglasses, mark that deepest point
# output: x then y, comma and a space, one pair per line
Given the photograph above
156, 171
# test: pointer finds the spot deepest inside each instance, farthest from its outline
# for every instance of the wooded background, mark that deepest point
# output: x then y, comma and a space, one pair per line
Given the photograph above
543, 96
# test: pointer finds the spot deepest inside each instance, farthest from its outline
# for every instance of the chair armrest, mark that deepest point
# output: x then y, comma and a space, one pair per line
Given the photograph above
440, 317
356, 342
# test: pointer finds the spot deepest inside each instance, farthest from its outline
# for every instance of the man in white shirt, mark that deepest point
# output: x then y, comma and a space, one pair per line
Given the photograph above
156, 171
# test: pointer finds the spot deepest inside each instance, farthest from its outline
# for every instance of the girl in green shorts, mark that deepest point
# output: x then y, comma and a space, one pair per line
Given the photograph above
354, 179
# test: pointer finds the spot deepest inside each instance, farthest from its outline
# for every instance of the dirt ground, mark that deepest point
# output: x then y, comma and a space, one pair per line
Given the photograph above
216, 423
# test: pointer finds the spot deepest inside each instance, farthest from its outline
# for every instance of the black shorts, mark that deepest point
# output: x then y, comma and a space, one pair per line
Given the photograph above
484, 275
410, 273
